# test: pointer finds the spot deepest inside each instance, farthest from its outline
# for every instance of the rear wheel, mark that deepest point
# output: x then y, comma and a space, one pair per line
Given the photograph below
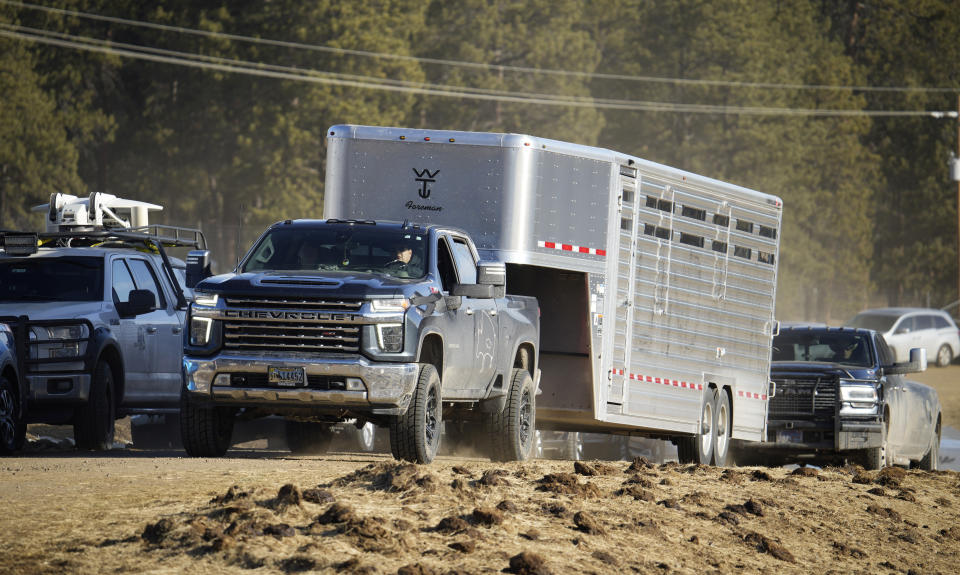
512, 431
205, 431
13, 431
415, 435
93, 424
699, 448
944, 356
721, 437
308, 437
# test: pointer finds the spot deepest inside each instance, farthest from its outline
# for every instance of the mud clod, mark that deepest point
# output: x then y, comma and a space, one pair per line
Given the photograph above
670, 503
507, 506
288, 496
567, 484
487, 517
728, 517
640, 464
528, 563
638, 493
417, 569
452, 525
592, 469
765, 545
641, 481
493, 478
466, 546
805, 472
297, 564
232, 494
588, 523
760, 475
605, 557
156, 532
884, 512
279, 530
337, 513
848, 551
879, 491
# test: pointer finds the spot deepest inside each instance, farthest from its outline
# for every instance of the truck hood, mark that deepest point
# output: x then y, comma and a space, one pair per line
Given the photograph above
296, 284
786, 369
52, 309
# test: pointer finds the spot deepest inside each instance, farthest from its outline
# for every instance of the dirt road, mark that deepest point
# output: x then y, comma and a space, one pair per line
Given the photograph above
131, 511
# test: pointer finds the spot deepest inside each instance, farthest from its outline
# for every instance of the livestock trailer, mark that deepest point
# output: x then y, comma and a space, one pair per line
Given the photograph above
656, 285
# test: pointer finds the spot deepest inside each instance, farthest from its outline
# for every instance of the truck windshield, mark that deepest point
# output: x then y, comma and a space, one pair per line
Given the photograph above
51, 279
390, 251
832, 347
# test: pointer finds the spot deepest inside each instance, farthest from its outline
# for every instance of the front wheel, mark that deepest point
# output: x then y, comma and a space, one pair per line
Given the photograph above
93, 425
931, 461
13, 431
699, 448
415, 435
205, 431
944, 356
513, 431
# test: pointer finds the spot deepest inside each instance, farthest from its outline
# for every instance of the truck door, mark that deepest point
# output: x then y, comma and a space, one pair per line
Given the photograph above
471, 331
164, 335
132, 334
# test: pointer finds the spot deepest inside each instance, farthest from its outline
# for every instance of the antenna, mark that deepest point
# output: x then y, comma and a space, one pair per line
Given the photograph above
98, 211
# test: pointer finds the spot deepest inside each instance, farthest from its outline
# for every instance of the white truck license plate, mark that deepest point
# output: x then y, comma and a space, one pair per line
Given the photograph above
286, 376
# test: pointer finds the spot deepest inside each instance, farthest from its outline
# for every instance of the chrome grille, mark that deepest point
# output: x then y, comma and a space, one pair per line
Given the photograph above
804, 397
291, 337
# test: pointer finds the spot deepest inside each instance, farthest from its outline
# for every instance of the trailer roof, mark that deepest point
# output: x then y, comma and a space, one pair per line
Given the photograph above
507, 140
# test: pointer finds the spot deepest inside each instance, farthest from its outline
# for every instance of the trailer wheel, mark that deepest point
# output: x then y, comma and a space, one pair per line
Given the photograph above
205, 431
699, 448
93, 424
513, 431
721, 437
308, 437
415, 435
13, 431
574, 446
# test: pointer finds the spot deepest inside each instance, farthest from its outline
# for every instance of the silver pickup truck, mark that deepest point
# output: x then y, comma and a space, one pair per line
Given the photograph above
98, 320
396, 324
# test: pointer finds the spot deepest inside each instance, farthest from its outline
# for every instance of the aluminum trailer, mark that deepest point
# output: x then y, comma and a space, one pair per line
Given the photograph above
656, 285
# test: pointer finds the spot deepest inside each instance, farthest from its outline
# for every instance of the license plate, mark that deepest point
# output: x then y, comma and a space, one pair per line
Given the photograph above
790, 436
286, 376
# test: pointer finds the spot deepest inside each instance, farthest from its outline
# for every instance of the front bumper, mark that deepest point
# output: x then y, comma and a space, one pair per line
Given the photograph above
53, 387
811, 436
388, 386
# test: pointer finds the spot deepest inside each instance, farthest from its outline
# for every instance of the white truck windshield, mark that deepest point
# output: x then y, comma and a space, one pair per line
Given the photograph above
51, 279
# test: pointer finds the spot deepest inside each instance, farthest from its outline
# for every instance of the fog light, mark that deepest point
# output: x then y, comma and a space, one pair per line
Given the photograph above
222, 379
355, 384
390, 337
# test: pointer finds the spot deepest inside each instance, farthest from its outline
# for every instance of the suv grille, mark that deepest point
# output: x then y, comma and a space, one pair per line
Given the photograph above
811, 397
306, 337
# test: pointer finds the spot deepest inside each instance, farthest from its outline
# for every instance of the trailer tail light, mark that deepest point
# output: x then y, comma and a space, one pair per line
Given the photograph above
403, 137
427, 139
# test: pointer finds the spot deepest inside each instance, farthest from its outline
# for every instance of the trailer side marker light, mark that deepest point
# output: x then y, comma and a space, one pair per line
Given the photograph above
526, 143
452, 140
427, 139
403, 137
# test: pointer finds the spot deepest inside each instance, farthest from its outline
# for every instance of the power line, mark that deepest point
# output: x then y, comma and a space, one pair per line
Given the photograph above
364, 82
466, 64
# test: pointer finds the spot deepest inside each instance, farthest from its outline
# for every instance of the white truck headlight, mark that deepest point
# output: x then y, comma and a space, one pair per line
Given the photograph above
200, 330
205, 299
389, 304
390, 337
54, 341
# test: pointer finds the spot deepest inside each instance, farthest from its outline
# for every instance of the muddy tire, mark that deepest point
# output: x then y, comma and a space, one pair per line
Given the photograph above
699, 448
723, 424
415, 435
205, 431
308, 437
13, 431
931, 461
93, 423
873, 458
512, 432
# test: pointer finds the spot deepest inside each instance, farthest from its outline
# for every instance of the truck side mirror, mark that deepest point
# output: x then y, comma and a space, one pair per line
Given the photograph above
141, 301
917, 363
478, 291
198, 267
492, 273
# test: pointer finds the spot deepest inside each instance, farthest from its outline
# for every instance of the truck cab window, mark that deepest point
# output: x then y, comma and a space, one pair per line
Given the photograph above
448, 273
466, 266
144, 278
122, 282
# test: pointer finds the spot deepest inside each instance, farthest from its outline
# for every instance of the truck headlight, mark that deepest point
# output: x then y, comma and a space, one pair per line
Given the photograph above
389, 304
390, 337
200, 330
206, 299
55, 341
858, 399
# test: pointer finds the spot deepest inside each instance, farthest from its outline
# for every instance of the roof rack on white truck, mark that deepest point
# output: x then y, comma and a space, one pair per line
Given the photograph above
657, 286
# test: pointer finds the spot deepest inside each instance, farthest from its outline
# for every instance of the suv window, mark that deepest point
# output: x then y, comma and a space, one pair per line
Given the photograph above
122, 282
906, 325
51, 279
144, 278
923, 322
941, 322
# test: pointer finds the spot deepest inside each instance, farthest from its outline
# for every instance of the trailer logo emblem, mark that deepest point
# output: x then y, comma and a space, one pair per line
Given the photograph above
425, 177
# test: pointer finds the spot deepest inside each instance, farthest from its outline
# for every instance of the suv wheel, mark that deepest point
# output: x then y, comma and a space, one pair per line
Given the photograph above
415, 435
93, 425
13, 432
308, 437
944, 356
205, 431
512, 431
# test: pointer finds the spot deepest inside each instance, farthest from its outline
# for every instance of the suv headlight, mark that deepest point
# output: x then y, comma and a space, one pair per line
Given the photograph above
54, 342
390, 304
205, 299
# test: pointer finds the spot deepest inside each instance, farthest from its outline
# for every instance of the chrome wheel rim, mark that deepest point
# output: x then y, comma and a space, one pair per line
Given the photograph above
706, 429
722, 428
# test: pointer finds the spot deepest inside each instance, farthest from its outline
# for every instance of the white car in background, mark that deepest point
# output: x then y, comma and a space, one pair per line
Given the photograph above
905, 328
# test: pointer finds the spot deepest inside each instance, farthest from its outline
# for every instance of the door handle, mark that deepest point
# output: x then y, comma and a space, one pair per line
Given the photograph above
493, 312
177, 329
469, 311
151, 329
